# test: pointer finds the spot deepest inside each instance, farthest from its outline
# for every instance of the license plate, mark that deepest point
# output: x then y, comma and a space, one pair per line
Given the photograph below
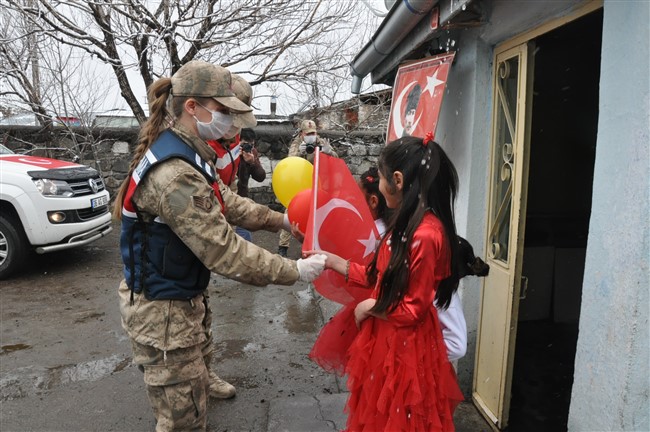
99, 202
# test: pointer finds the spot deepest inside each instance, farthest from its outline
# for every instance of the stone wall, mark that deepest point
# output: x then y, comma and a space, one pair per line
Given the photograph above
110, 150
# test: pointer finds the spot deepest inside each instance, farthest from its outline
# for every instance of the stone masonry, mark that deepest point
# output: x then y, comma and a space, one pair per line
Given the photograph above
110, 150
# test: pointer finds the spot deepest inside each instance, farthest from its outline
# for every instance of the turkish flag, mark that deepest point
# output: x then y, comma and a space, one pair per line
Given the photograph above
339, 222
417, 97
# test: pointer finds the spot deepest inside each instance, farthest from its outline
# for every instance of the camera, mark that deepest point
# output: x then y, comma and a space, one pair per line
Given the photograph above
247, 147
309, 148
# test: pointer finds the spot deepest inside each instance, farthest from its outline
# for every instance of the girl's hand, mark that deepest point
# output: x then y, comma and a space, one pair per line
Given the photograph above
333, 261
362, 311
295, 231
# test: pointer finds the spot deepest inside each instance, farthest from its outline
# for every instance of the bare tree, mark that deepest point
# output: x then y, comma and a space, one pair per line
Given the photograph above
52, 80
19, 74
260, 38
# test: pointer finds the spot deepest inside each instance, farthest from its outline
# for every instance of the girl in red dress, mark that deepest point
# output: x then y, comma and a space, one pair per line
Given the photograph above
399, 376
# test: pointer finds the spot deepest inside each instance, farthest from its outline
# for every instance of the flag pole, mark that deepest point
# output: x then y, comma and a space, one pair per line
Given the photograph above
314, 188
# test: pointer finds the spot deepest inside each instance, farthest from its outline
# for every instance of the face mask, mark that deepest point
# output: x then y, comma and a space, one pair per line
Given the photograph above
217, 128
232, 132
310, 139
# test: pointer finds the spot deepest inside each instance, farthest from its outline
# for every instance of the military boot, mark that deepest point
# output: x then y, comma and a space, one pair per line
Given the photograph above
219, 388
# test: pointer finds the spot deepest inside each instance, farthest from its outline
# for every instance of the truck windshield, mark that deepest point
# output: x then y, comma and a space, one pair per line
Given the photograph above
5, 150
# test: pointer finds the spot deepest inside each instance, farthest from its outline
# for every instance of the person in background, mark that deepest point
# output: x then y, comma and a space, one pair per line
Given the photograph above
227, 162
228, 148
249, 166
369, 184
304, 145
399, 375
452, 318
175, 214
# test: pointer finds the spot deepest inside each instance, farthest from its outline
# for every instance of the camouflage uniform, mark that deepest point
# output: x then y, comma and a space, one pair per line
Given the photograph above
294, 150
172, 339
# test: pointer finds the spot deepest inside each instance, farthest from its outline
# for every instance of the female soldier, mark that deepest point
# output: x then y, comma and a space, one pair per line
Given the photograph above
175, 230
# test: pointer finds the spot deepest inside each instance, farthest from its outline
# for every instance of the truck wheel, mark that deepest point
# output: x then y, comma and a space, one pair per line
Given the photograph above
13, 246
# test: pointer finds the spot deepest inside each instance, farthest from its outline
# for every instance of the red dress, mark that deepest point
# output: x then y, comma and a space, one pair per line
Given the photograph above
399, 376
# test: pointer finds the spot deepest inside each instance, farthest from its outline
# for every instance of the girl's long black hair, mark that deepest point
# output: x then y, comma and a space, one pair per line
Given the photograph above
430, 183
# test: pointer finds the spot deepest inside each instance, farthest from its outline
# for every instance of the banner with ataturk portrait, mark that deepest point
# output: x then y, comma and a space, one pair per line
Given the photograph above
417, 96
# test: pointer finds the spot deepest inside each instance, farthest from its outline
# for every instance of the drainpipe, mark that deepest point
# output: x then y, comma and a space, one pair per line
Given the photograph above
401, 19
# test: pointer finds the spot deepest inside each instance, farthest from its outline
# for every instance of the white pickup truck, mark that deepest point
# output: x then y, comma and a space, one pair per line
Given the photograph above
47, 205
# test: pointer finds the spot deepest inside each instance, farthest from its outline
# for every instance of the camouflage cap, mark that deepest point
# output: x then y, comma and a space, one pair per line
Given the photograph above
201, 79
244, 120
244, 92
308, 126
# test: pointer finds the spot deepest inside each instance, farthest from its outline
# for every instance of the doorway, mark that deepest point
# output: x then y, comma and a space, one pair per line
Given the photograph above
563, 130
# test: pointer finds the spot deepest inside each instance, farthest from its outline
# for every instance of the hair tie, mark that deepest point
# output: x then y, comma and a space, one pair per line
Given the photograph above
370, 179
428, 137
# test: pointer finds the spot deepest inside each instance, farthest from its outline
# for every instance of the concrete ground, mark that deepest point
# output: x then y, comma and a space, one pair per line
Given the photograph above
65, 362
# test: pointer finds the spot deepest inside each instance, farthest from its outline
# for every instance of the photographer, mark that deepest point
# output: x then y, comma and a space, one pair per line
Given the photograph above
304, 145
250, 166
305, 142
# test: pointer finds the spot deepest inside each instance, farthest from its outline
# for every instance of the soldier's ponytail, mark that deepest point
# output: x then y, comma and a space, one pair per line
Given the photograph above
159, 119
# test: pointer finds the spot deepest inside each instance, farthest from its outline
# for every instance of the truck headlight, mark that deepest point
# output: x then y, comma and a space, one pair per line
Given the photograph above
53, 188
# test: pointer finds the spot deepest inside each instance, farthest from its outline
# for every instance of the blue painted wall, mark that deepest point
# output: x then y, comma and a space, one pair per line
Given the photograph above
611, 380
464, 133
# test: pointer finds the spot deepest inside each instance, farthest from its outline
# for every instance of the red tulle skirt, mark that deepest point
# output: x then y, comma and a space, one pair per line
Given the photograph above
399, 377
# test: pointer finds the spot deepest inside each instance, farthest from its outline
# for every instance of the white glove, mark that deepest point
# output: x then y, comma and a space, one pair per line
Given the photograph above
311, 267
327, 148
302, 147
286, 225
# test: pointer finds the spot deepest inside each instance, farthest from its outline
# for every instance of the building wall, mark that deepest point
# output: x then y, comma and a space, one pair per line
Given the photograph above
612, 356
610, 389
463, 132
110, 150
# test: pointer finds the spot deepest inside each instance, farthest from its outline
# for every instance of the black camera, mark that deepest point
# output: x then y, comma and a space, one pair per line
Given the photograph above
309, 148
247, 147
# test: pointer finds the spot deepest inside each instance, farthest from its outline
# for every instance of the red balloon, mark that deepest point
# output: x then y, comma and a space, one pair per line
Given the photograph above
298, 210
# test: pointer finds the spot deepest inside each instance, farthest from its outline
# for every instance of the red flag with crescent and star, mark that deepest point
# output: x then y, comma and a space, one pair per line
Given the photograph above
417, 96
339, 222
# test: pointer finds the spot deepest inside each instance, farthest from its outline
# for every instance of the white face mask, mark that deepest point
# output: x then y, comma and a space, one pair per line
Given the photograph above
232, 132
217, 128
310, 139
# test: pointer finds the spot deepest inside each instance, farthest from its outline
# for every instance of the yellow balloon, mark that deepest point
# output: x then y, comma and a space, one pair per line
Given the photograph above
290, 176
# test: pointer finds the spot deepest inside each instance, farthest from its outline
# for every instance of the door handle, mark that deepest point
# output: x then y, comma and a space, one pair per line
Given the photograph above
523, 291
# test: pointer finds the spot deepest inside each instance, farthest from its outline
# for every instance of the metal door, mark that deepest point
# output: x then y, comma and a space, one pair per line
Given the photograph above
506, 218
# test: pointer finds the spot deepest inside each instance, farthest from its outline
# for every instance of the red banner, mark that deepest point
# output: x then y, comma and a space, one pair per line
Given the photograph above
417, 96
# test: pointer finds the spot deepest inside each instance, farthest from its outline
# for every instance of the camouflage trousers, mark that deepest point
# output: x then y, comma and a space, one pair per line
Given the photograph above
177, 382
177, 386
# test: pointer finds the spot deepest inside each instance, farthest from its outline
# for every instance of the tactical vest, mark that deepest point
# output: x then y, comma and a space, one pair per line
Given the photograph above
155, 260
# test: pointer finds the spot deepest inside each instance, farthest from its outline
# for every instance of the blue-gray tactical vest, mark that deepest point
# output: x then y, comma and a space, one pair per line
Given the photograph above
155, 259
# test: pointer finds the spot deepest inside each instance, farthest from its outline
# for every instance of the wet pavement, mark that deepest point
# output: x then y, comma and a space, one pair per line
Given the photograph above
65, 362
